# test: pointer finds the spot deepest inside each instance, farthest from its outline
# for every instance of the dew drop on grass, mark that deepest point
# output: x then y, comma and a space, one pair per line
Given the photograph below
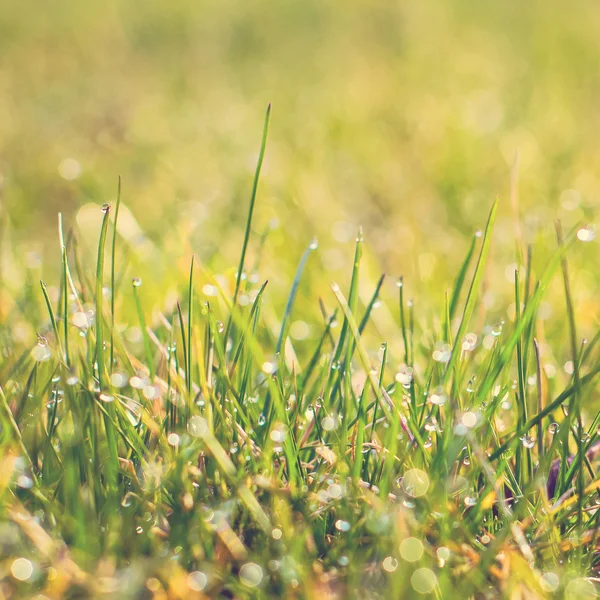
197, 427
469, 419
341, 525
411, 549
469, 342
197, 581
24, 482
251, 574
261, 420
443, 553
41, 352
149, 392
580, 589
389, 564
470, 500
136, 282
442, 353
72, 380
328, 423
105, 207
553, 428
343, 561
549, 581
497, 329
21, 569
106, 397
269, 368
438, 397
335, 491
415, 483
569, 369
278, 433
314, 244
587, 234
404, 375
118, 380
528, 441
173, 439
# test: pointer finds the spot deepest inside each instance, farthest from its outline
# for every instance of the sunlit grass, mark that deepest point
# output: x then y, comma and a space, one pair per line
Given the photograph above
204, 449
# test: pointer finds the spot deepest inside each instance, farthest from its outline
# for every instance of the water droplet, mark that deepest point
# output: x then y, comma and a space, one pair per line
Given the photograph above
415, 483
580, 589
569, 369
136, 282
197, 426
428, 443
587, 234
197, 581
553, 428
389, 564
105, 207
24, 482
269, 368
278, 433
469, 419
478, 233
466, 461
335, 491
261, 420
173, 439
497, 329
470, 500
329, 423
411, 549
251, 574
438, 397
469, 342
69, 169
549, 582
21, 569
404, 375
106, 397
528, 441
314, 244
442, 353
72, 379
41, 352
341, 525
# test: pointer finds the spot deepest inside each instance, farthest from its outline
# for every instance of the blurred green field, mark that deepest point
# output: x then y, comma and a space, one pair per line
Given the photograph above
402, 121
404, 118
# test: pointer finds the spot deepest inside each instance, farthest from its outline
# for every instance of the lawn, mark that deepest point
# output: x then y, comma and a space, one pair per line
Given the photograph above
347, 351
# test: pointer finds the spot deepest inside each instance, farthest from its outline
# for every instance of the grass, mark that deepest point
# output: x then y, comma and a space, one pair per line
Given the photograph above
214, 454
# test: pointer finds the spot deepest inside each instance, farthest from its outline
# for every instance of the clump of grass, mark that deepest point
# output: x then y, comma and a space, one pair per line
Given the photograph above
213, 459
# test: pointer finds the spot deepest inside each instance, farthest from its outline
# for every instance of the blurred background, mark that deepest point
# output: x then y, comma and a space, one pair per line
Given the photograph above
405, 118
